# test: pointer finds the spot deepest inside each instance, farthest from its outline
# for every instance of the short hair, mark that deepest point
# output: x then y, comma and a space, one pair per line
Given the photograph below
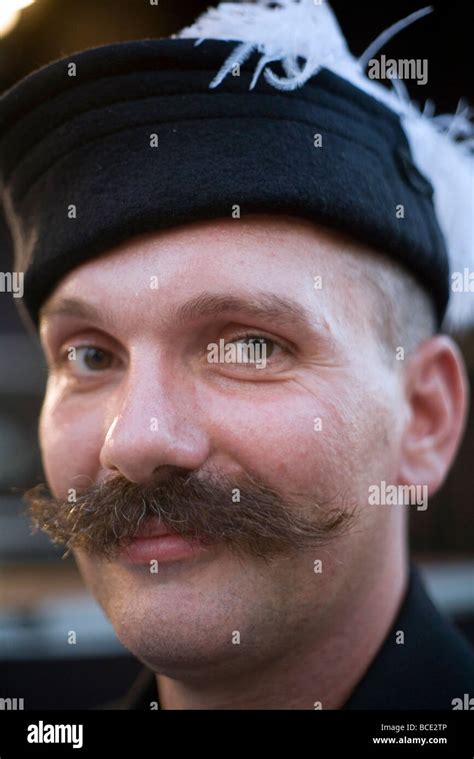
402, 312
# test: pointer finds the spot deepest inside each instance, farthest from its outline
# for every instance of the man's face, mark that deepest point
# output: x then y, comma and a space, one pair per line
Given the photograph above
320, 420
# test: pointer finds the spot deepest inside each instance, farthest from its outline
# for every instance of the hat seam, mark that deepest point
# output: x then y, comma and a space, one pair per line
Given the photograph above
353, 93
290, 97
32, 182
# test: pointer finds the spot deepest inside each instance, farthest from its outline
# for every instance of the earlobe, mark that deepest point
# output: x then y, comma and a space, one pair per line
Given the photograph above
436, 390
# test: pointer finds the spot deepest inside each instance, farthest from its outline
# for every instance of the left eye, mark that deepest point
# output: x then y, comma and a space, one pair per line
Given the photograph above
257, 341
93, 358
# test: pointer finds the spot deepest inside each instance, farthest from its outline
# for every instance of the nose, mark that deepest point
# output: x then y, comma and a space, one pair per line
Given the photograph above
154, 426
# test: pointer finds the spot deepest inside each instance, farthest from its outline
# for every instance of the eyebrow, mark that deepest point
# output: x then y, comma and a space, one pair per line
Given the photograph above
279, 310
70, 307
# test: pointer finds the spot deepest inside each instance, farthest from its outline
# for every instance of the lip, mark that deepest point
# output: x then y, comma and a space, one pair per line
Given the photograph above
156, 542
153, 527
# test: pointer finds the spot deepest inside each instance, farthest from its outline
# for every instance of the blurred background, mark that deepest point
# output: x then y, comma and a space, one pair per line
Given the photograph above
42, 597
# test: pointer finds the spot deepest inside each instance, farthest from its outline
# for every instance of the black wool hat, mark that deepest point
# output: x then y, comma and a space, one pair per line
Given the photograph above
140, 136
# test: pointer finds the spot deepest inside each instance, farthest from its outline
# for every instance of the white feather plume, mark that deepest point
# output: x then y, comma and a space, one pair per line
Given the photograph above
291, 31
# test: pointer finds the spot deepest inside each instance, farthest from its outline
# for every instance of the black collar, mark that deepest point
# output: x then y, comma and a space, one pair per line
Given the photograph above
431, 667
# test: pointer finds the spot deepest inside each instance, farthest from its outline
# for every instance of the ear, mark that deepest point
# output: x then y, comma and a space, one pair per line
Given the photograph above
436, 390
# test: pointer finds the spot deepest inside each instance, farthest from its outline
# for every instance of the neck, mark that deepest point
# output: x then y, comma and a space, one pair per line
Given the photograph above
320, 672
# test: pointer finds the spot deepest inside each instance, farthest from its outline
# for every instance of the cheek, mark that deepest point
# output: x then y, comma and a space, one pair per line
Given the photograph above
70, 439
324, 436
289, 436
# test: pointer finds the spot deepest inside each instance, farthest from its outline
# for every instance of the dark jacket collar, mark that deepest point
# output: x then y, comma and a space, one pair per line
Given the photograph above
428, 670
431, 667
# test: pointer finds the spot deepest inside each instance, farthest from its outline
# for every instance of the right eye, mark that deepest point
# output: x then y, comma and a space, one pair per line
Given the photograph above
88, 358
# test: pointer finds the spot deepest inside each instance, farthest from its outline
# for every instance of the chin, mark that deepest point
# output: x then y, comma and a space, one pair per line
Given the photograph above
186, 616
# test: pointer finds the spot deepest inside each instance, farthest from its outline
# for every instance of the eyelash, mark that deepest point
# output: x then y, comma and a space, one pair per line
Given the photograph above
255, 336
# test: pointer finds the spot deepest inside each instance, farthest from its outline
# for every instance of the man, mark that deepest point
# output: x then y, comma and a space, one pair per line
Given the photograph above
231, 514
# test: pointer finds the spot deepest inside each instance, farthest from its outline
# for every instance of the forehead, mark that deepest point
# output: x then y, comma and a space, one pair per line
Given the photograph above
277, 261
